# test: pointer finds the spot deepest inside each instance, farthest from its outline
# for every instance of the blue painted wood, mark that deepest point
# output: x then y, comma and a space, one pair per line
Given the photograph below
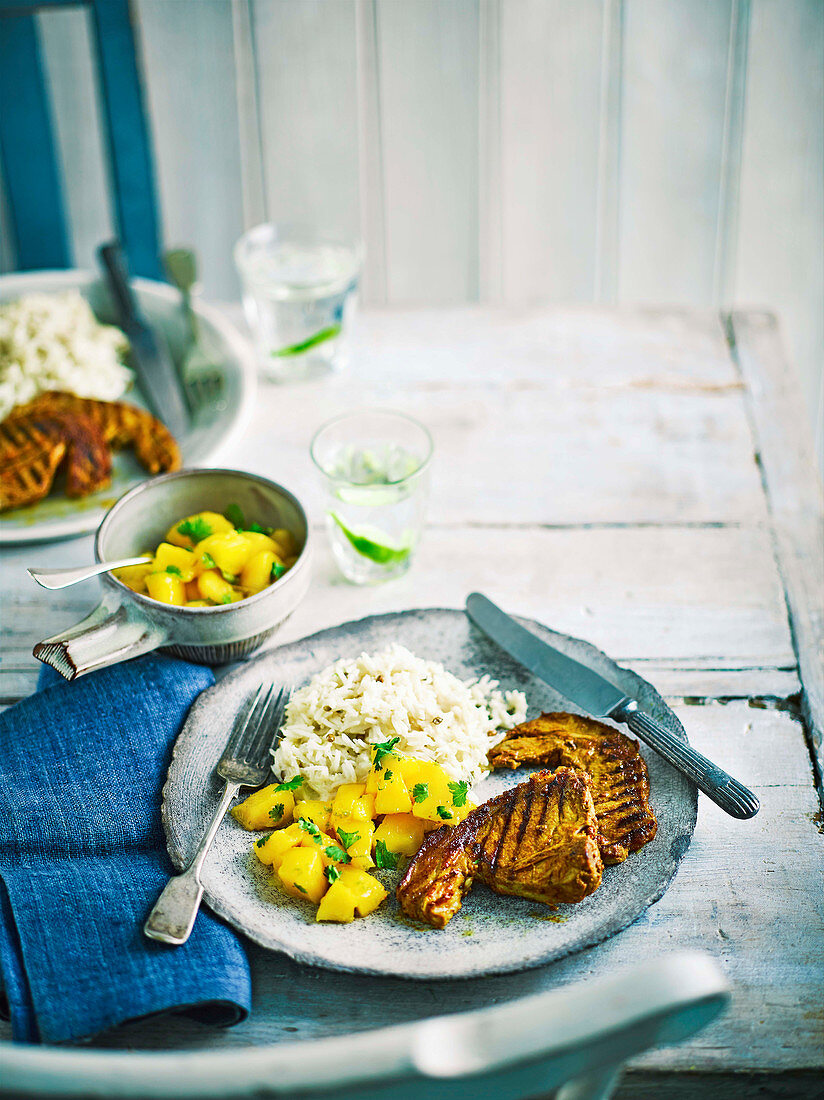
127, 133
28, 148
32, 178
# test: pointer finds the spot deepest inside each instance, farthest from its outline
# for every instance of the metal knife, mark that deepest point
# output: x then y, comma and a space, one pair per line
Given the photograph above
159, 379
597, 696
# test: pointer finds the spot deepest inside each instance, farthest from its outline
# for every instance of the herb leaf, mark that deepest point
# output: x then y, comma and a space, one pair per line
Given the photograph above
387, 775
332, 874
301, 888
420, 792
173, 569
208, 561
459, 793
444, 814
347, 839
289, 785
234, 514
195, 529
226, 598
385, 859
277, 570
256, 527
382, 748
309, 827
262, 841
336, 853
276, 812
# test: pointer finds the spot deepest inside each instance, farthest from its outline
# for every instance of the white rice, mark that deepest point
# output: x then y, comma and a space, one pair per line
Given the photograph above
55, 342
354, 703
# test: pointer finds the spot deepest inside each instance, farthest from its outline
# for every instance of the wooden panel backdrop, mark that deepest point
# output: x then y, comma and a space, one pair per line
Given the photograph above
492, 150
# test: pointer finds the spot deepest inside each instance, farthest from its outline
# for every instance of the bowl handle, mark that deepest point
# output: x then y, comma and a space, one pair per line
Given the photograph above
104, 638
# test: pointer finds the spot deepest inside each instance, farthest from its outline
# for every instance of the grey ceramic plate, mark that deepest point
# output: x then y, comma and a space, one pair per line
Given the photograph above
491, 934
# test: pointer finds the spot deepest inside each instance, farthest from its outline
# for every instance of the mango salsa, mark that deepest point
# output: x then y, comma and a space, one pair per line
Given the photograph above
209, 560
270, 807
301, 874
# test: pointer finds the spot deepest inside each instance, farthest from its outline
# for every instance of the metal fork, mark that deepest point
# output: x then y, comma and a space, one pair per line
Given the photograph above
245, 763
202, 379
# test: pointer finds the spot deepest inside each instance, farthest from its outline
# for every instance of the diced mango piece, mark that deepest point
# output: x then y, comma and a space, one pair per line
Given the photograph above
356, 839
213, 587
176, 560
401, 833
366, 890
392, 795
197, 527
337, 904
257, 541
347, 801
285, 541
166, 588
429, 786
313, 809
257, 572
192, 591
301, 874
265, 809
134, 576
198, 603
271, 849
229, 551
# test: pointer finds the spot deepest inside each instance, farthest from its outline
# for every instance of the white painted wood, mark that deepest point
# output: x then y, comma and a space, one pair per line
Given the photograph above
795, 496
490, 152
66, 52
307, 96
607, 223
780, 259
193, 114
428, 59
675, 72
248, 115
370, 152
550, 130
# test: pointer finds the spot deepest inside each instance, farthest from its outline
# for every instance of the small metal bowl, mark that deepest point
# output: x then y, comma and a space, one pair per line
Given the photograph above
126, 623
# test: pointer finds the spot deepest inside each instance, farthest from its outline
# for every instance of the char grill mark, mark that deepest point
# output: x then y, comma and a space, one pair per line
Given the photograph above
620, 781
538, 840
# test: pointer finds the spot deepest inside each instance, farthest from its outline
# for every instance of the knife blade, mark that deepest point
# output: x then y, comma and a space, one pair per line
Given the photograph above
600, 697
153, 364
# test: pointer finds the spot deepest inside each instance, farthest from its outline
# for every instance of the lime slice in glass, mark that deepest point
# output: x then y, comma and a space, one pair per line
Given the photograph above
373, 544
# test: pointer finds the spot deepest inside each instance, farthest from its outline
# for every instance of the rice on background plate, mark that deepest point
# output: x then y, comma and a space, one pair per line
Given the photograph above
355, 703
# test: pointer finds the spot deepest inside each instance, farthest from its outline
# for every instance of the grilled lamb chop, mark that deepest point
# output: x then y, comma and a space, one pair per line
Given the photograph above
620, 781
537, 840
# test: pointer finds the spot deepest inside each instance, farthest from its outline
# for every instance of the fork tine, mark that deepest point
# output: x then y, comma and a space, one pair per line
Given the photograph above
239, 732
258, 746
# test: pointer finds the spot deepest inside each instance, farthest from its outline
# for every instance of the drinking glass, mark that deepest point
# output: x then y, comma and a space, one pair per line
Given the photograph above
299, 292
374, 466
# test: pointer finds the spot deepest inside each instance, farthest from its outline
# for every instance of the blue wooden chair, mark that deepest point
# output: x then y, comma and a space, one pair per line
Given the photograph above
27, 149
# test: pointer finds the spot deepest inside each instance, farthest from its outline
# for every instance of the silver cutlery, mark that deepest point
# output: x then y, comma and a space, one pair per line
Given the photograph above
245, 763
62, 578
202, 380
599, 697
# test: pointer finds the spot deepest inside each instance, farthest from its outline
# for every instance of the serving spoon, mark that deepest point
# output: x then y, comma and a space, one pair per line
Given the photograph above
62, 578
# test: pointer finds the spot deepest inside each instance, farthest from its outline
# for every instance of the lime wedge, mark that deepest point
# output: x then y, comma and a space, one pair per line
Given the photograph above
372, 544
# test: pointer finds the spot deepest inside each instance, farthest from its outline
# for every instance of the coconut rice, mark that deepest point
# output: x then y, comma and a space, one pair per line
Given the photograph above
355, 703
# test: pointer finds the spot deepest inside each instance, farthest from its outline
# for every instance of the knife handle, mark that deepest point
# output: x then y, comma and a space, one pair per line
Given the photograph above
111, 256
726, 792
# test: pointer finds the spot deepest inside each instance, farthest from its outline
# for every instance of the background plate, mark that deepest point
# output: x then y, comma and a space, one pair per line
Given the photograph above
490, 934
212, 430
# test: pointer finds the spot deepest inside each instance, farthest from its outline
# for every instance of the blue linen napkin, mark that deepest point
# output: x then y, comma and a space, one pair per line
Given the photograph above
83, 858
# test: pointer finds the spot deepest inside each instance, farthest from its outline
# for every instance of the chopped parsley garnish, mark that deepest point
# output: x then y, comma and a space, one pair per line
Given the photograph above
459, 793
276, 812
208, 561
234, 514
444, 814
301, 888
382, 749
310, 827
386, 860
420, 792
289, 785
173, 569
332, 874
262, 841
334, 852
227, 598
277, 570
387, 775
195, 529
347, 839
230, 577
258, 530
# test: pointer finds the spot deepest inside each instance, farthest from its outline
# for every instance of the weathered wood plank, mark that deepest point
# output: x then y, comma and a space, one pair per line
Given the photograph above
795, 498
688, 598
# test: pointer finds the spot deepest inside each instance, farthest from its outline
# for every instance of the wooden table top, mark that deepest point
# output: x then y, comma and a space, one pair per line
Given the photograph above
639, 478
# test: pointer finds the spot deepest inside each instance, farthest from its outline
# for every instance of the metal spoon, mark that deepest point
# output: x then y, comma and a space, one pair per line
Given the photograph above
62, 578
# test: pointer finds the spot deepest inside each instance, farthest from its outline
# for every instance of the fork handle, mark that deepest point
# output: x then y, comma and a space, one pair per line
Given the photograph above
173, 916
